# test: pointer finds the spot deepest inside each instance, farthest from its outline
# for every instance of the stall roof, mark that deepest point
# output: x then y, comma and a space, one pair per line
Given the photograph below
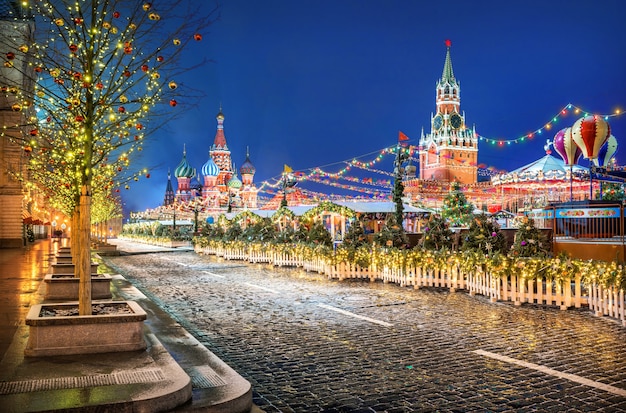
356, 206
378, 206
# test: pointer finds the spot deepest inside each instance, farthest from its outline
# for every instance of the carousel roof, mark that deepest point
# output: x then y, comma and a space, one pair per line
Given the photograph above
548, 168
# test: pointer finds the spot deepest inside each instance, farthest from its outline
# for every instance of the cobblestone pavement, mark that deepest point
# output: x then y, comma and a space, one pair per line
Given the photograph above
312, 345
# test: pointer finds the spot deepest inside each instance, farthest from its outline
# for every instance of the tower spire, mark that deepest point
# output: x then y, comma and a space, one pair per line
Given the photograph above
448, 73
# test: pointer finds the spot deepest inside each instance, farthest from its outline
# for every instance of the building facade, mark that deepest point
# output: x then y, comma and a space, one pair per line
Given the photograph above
16, 29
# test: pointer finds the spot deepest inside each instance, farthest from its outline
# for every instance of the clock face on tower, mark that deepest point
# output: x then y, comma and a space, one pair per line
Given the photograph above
455, 120
437, 122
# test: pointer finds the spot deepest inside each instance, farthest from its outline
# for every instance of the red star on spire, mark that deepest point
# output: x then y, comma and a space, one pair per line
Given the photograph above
448, 43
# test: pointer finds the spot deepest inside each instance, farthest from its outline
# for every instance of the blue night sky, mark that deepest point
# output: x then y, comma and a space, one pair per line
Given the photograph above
313, 83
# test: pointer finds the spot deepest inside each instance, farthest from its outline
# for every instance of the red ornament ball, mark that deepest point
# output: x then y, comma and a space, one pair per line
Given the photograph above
197, 37
116, 14
173, 102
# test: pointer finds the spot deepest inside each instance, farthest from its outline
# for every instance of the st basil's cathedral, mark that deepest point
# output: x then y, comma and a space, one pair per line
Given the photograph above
221, 186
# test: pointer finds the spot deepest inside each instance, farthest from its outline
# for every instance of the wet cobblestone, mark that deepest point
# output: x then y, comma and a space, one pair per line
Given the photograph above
267, 323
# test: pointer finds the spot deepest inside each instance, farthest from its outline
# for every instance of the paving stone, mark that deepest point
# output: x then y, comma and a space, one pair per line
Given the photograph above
305, 358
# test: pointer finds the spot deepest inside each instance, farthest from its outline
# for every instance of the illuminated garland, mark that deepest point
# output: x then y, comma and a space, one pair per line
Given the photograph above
326, 206
316, 173
342, 186
569, 108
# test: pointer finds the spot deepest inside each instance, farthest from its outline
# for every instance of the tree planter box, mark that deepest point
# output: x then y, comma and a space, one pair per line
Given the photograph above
54, 335
68, 268
105, 249
63, 258
65, 287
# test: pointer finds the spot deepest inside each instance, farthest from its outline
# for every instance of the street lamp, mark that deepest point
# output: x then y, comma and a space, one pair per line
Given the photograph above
197, 207
402, 155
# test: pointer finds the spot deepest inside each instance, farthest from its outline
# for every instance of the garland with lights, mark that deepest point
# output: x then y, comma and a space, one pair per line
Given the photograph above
567, 109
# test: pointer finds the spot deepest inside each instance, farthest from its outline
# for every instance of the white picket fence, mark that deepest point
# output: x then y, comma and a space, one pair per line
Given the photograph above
539, 291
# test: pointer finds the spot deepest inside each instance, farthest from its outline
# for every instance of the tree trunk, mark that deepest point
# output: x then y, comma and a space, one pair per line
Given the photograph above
83, 264
74, 238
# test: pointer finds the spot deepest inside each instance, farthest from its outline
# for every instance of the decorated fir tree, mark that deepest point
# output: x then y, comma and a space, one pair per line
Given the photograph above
484, 236
355, 236
436, 234
529, 241
456, 209
392, 234
611, 192
319, 235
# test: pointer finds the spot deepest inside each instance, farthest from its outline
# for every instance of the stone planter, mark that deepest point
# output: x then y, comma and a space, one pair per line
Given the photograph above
57, 335
68, 268
63, 258
65, 287
103, 248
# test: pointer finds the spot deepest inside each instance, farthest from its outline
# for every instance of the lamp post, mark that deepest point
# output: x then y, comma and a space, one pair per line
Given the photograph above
402, 156
174, 216
284, 203
196, 209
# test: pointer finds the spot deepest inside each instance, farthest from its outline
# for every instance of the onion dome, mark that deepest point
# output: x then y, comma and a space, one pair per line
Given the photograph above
184, 170
247, 168
195, 184
210, 168
234, 182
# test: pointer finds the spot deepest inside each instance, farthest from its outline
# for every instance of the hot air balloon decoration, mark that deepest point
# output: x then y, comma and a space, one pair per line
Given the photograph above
566, 147
607, 151
590, 133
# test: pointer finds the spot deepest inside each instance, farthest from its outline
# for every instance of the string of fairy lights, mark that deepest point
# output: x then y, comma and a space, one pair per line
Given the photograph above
325, 177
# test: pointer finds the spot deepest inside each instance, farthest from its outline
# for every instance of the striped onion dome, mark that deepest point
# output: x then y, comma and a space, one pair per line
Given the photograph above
184, 170
210, 168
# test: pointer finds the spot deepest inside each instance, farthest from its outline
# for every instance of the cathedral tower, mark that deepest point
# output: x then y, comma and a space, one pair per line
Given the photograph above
450, 151
221, 154
169, 191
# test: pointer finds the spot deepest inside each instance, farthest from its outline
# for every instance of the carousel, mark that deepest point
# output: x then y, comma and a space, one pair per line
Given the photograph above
549, 179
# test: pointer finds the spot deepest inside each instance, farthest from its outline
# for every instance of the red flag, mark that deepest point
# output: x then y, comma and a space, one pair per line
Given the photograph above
402, 137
